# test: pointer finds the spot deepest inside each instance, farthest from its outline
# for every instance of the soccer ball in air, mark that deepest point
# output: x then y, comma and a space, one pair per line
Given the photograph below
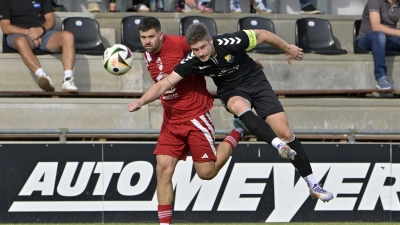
117, 59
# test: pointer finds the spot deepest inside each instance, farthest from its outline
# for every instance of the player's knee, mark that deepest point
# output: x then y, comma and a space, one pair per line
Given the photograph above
286, 135
237, 107
206, 176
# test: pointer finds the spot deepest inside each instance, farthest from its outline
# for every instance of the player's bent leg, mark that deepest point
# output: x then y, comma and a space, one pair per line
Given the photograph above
207, 170
280, 125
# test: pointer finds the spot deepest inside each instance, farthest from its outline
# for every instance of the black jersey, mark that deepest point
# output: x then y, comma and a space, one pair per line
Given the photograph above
25, 13
231, 66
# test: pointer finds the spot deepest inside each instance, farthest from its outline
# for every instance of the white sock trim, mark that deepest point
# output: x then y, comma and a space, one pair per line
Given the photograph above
244, 112
294, 137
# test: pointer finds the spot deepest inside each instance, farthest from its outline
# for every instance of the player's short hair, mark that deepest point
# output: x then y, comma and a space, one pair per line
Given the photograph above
149, 23
197, 32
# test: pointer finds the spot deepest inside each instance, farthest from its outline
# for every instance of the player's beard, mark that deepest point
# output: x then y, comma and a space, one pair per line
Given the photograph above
152, 48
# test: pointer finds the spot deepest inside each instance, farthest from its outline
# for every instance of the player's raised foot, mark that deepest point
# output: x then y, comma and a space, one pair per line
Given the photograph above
237, 123
286, 152
317, 192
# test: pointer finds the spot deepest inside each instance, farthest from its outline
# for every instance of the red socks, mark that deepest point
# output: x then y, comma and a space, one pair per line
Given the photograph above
165, 214
233, 138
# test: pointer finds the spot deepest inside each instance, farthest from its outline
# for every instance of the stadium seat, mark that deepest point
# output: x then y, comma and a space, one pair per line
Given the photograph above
130, 36
247, 23
357, 50
185, 22
86, 33
7, 49
315, 35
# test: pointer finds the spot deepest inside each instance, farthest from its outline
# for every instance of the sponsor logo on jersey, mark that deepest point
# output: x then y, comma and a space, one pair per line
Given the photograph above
203, 67
229, 58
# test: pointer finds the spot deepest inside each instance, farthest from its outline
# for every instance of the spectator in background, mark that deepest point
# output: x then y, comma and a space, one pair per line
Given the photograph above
203, 6
28, 26
261, 6
378, 33
93, 6
57, 7
139, 6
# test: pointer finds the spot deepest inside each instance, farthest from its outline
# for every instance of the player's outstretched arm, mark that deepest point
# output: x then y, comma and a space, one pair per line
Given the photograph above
291, 51
155, 91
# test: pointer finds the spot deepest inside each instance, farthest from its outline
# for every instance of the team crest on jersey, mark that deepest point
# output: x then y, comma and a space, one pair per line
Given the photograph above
229, 58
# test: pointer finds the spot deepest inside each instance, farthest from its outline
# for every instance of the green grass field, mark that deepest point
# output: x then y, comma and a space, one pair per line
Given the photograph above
344, 223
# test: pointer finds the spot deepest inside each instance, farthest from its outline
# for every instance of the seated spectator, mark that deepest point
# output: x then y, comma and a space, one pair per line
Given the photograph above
28, 26
261, 6
378, 33
203, 6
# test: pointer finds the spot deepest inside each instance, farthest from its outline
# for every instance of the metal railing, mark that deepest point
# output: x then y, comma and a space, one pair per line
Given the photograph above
349, 134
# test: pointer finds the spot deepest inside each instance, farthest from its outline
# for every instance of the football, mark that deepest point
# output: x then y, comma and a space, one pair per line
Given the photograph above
117, 59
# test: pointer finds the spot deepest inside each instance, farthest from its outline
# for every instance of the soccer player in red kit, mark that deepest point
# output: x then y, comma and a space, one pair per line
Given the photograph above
187, 123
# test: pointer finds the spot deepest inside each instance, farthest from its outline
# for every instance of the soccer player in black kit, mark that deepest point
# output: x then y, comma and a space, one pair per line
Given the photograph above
241, 86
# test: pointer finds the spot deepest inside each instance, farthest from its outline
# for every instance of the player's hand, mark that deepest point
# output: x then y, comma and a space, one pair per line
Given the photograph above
191, 3
134, 106
258, 63
294, 52
34, 32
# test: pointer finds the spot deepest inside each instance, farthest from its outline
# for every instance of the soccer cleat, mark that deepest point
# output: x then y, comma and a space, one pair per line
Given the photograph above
45, 83
237, 123
317, 192
285, 151
68, 85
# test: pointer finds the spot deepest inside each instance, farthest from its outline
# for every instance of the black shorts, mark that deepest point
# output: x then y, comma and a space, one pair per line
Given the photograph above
261, 97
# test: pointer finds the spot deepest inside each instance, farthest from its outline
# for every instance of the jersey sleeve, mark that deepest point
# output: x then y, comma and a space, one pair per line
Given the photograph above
4, 10
238, 41
184, 67
47, 7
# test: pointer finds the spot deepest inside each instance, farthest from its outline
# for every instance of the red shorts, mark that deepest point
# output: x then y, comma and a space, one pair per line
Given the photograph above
196, 135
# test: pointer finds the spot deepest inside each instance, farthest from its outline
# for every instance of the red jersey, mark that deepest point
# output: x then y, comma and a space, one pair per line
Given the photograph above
189, 98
